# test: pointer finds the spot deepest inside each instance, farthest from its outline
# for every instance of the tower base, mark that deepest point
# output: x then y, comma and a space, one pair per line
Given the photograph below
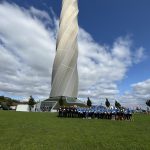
52, 104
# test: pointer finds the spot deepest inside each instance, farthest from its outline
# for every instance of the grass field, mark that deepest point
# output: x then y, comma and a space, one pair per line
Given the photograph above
45, 131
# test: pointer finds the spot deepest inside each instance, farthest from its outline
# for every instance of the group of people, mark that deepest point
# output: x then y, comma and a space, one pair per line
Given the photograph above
97, 113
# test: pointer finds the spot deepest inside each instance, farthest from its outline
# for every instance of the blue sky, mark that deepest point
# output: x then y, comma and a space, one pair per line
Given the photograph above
113, 26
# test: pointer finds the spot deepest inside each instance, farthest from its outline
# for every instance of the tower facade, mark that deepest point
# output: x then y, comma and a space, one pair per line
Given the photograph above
64, 74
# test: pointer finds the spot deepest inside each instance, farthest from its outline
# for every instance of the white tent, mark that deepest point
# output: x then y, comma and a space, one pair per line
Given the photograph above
22, 107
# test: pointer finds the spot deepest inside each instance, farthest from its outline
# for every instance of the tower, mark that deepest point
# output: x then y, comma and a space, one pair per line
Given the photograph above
64, 74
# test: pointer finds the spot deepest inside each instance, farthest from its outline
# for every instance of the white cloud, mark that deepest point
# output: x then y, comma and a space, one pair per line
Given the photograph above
27, 49
138, 95
142, 88
122, 50
139, 55
101, 67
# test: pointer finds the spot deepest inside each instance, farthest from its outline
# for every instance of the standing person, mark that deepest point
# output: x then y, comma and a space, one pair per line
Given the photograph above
60, 112
72, 112
87, 113
67, 111
98, 114
130, 115
84, 113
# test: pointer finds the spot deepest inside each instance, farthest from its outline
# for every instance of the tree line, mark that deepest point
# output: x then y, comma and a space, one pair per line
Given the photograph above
107, 103
6, 102
89, 103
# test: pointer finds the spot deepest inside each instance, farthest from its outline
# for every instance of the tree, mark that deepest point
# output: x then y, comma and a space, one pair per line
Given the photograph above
117, 104
31, 102
9, 102
107, 103
148, 103
4, 106
89, 103
2, 97
61, 102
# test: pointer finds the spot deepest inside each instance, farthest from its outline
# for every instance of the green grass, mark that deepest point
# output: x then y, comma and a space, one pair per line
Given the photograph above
45, 131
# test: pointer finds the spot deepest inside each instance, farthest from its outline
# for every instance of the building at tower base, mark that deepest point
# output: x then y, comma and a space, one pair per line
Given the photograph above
52, 104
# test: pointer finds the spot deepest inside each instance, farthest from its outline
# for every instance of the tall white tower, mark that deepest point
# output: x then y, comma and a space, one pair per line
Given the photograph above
64, 74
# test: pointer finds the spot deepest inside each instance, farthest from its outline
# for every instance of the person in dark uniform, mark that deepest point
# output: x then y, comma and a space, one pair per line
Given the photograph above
60, 112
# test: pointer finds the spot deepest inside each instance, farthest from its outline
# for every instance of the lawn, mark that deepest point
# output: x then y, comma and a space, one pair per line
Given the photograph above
45, 131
